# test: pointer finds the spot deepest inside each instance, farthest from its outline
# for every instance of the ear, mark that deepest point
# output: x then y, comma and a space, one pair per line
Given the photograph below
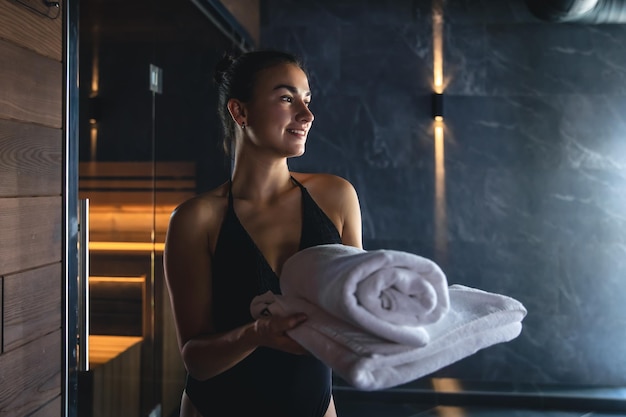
237, 110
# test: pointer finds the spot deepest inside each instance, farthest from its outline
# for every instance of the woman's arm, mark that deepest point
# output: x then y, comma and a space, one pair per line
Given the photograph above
352, 230
187, 262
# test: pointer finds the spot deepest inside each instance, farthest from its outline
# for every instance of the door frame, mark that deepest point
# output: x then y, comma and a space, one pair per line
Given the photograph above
69, 380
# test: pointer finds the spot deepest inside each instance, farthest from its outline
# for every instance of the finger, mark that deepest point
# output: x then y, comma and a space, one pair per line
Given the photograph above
295, 320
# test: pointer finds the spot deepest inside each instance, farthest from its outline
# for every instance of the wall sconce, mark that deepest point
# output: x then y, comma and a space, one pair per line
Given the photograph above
437, 105
94, 109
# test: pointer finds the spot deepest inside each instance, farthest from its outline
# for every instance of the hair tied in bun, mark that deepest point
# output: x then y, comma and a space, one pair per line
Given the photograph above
223, 67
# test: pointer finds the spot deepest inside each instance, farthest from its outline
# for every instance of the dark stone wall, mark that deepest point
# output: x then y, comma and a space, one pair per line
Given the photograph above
535, 162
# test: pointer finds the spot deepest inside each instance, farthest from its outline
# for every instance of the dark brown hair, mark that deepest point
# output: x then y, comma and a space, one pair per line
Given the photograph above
235, 77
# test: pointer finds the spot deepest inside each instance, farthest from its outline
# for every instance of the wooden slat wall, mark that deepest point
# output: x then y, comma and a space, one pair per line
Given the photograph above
31, 376
116, 305
117, 385
50, 409
32, 305
31, 86
123, 206
31, 143
31, 31
30, 160
31, 232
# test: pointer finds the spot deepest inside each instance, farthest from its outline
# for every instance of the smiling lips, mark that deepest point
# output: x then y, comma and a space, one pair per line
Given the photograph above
297, 132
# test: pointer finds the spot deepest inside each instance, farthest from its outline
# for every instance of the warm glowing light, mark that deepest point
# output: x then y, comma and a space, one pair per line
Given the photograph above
439, 150
95, 78
438, 47
93, 140
126, 246
136, 280
95, 88
449, 385
440, 209
95, 65
441, 234
104, 348
447, 411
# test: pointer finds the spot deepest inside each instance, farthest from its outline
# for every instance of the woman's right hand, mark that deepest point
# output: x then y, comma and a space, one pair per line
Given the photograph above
272, 332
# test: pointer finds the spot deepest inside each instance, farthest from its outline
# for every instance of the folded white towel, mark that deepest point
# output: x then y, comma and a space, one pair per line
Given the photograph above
476, 320
393, 294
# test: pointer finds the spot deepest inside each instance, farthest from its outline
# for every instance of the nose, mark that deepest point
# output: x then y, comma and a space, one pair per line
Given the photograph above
305, 114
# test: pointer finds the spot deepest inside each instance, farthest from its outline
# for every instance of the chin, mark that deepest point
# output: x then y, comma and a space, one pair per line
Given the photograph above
298, 150
296, 153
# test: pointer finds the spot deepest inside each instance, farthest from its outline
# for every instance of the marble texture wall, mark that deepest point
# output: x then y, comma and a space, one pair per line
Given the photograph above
535, 161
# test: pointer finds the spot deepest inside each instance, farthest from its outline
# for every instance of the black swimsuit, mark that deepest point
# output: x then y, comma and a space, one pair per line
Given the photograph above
268, 381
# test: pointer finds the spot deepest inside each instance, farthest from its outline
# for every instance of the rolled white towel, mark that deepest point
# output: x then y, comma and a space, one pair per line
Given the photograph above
393, 294
476, 320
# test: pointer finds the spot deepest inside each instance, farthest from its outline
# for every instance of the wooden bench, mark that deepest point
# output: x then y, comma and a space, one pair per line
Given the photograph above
128, 199
130, 206
112, 386
116, 305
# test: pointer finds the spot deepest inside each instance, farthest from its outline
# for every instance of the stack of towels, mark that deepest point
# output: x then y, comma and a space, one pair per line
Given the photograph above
382, 318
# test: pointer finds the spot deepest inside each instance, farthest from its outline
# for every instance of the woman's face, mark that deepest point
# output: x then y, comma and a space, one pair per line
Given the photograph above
278, 118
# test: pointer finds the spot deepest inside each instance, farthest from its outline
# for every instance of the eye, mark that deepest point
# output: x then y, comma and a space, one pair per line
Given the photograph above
287, 99
307, 103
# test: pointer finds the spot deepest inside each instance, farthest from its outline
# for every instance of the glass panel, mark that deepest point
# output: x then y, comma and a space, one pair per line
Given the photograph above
142, 152
116, 174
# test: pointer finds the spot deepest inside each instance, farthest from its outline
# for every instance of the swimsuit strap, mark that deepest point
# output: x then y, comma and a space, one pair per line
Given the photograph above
295, 181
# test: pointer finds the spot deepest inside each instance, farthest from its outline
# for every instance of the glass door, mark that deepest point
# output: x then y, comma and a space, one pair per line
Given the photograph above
117, 178
148, 140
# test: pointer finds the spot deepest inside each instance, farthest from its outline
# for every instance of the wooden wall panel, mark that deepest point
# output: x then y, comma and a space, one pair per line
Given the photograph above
32, 306
30, 30
116, 385
31, 218
31, 86
1, 309
116, 305
52, 409
103, 170
31, 160
137, 198
31, 233
31, 375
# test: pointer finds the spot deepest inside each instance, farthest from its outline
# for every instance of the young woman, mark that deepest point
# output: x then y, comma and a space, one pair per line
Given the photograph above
228, 245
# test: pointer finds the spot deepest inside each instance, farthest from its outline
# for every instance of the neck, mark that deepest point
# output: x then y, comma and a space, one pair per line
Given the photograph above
254, 180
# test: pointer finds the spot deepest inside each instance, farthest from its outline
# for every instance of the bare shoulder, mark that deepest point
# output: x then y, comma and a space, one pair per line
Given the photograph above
204, 204
200, 214
322, 185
